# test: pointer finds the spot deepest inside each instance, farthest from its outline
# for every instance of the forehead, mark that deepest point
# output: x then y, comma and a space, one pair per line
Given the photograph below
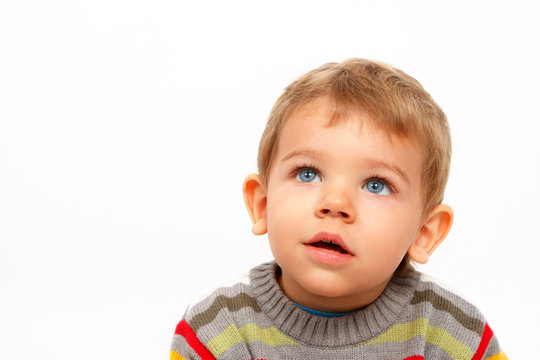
323, 113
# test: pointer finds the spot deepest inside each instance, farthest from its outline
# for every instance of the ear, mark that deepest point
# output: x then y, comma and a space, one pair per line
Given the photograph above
435, 228
255, 199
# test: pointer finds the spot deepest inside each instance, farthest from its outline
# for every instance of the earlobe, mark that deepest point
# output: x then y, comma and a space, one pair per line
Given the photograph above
431, 234
255, 200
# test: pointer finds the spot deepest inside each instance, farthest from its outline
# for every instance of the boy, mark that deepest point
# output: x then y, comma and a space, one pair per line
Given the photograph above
353, 164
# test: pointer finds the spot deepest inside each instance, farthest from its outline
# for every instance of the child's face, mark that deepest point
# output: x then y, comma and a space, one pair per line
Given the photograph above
349, 184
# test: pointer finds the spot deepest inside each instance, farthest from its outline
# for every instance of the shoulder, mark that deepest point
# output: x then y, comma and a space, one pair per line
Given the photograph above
227, 296
210, 323
233, 302
227, 287
441, 297
450, 320
208, 316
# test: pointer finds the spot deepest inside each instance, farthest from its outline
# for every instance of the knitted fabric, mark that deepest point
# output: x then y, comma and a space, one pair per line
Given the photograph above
414, 318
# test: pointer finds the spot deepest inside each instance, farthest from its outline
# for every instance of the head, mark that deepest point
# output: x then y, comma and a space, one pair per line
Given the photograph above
355, 109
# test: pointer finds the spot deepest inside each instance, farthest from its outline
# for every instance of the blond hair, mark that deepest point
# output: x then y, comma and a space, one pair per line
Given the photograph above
394, 102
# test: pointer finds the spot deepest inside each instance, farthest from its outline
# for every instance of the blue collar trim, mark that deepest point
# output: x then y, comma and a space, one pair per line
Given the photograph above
322, 313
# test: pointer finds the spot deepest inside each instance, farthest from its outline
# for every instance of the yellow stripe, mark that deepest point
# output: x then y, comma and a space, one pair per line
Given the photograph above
499, 356
228, 337
176, 356
434, 335
246, 334
453, 347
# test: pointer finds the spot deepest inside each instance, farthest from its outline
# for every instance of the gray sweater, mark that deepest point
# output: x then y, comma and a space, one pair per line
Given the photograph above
414, 318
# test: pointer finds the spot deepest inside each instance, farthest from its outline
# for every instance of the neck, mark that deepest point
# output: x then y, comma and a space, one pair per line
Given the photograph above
327, 301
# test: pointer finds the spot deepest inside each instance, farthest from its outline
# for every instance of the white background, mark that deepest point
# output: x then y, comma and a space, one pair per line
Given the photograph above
127, 127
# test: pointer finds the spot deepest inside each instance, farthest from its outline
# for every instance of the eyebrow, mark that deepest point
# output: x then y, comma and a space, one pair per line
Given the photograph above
393, 168
307, 153
371, 162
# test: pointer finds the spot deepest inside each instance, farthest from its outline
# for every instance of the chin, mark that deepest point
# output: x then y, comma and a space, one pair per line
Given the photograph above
325, 288
329, 292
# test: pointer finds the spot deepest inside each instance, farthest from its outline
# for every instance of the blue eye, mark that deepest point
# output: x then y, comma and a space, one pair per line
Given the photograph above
308, 175
377, 187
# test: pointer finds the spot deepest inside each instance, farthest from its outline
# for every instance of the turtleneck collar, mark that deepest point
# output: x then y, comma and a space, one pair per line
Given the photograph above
351, 329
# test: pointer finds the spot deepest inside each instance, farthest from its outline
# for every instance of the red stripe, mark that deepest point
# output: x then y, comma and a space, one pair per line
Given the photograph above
183, 329
484, 342
415, 357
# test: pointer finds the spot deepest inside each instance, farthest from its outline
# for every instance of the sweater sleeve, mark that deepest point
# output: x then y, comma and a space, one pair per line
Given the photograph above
187, 346
489, 349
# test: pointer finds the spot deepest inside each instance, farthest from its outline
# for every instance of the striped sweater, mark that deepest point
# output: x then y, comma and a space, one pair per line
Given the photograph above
414, 319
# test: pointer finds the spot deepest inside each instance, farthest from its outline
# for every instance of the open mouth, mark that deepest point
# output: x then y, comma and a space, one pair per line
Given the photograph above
328, 245
329, 248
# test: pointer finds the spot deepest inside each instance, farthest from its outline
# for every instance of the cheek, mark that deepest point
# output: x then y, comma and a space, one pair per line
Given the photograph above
392, 227
280, 214
283, 221
287, 215
287, 204
282, 224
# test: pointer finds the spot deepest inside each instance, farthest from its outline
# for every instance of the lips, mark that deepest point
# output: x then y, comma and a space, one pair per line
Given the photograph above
332, 243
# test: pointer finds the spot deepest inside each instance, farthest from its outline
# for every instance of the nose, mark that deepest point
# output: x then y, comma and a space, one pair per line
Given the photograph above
335, 202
